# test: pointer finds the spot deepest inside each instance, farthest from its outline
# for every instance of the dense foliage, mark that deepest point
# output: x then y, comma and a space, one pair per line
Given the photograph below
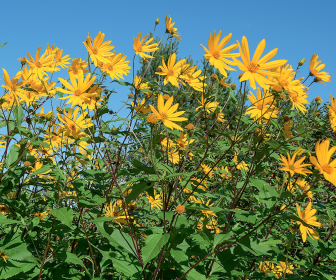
204, 179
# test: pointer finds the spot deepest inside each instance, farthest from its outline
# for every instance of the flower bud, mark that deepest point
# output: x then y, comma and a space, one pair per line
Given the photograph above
318, 100
59, 110
190, 126
50, 116
157, 21
28, 120
233, 86
26, 163
130, 95
214, 77
318, 113
302, 61
240, 75
180, 209
287, 119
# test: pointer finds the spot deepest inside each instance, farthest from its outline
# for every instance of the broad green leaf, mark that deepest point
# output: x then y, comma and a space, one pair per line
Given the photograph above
5, 221
193, 274
14, 267
19, 252
122, 240
13, 155
65, 215
125, 267
72, 258
178, 255
18, 113
43, 169
154, 244
3, 44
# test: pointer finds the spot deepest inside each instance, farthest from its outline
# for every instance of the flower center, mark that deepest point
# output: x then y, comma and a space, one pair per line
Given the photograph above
216, 54
151, 200
328, 169
77, 92
170, 73
110, 67
95, 51
260, 106
164, 116
292, 167
72, 126
253, 67
38, 64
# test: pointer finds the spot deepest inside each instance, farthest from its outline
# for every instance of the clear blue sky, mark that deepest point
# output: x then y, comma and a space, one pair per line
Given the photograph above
298, 29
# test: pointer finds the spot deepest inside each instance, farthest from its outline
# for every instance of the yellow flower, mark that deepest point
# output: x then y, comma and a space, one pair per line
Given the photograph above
308, 217
208, 213
286, 127
190, 126
332, 112
305, 187
140, 47
42, 215
54, 137
209, 107
116, 66
263, 106
293, 166
42, 64
140, 84
73, 125
299, 100
180, 209
256, 69
77, 67
172, 71
155, 201
112, 210
152, 118
207, 170
140, 107
183, 143
170, 29
167, 113
98, 50
315, 69
77, 89
218, 55
4, 209
13, 86
4, 256
194, 79
61, 61
324, 163
266, 267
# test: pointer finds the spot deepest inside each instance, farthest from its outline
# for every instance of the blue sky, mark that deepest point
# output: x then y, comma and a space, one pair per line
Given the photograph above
298, 29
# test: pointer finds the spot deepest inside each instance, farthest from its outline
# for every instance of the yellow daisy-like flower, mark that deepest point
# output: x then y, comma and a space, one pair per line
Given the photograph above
77, 67
183, 142
194, 79
292, 166
170, 29
299, 100
43, 64
116, 66
13, 86
315, 69
167, 113
217, 54
61, 61
76, 90
332, 113
112, 210
308, 217
98, 50
324, 164
256, 69
207, 170
172, 71
4, 209
140, 107
4, 256
42, 215
140, 47
155, 201
263, 106
288, 133
72, 124
209, 107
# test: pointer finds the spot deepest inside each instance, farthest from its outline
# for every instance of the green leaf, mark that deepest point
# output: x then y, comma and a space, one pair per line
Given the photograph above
219, 238
138, 189
125, 267
142, 167
14, 267
13, 155
5, 221
179, 255
3, 44
18, 113
180, 174
122, 240
65, 215
20, 253
72, 258
43, 169
193, 274
232, 94
154, 244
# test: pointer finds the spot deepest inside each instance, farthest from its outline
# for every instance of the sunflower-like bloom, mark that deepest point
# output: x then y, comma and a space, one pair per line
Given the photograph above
140, 47
263, 106
43, 64
256, 69
42, 215
155, 201
61, 61
54, 137
293, 166
324, 164
288, 133
209, 107
112, 210
13, 86
76, 90
167, 113
194, 79
207, 170
308, 217
116, 66
172, 71
183, 142
98, 50
4, 256
217, 54
78, 66
305, 187
208, 213
170, 29
299, 100
140, 84
72, 124
332, 113
315, 69
140, 107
